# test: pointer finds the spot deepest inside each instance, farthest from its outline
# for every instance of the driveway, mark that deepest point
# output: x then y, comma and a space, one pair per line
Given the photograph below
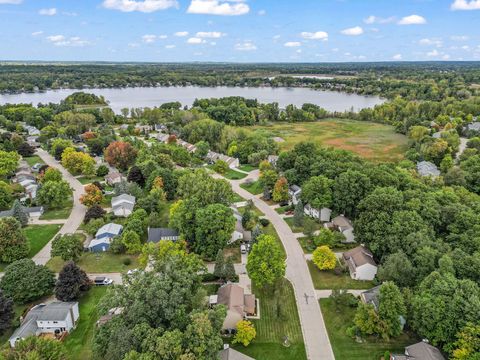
317, 343
78, 211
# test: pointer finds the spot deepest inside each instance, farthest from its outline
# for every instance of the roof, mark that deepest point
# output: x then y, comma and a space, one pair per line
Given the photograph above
232, 354
113, 176
56, 311
123, 198
474, 126
123, 205
28, 210
426, 168
157, 234
95, 242
423, 351
232, 296
359, 256
342, 222
295, 188
110, 228
371, 296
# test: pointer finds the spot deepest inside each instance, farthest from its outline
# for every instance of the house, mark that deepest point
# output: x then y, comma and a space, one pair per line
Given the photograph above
32, 141
160, 127
123, 205
239, 305
239, 233
323, 215
32, 212
31, 191
32, 130
294, 191
372, 297
419, 351
158, 234
272, 159
54, 318
104, 237
343, 225
114, 178
213, 156
427, 168
163, 137
231, 354
474, 126
360, 263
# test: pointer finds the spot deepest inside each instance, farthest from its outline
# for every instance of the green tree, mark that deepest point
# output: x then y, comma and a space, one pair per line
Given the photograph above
219, 269
72, 282
220, 167
245, 333
54, 193
131, 241
298, 214
317, 191
324, 258
18, 212
280, 190
51, 174
366, 319
5, 195
268, 178
398, 268
8, 162
467, 346
229, 272
391, 307
35, 348
13, 243
349, 188
6, 312
266, 262
67, 247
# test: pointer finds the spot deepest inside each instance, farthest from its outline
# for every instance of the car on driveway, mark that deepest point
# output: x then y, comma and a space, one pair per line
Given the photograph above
102, 280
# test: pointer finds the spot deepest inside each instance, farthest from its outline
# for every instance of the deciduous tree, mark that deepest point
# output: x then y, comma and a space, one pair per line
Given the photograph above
120, 154
324, 258
280, 190
67, 247
54, 193
13, 243
72, 282
6, 312
93, 196
246, 333
266, 262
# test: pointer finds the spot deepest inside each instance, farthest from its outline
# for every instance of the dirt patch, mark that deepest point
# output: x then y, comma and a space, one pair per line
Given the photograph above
361, 150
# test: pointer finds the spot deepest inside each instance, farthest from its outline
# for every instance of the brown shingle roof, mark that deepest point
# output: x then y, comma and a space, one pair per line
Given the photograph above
359, 256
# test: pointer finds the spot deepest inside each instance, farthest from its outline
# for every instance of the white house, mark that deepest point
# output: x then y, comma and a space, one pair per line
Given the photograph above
294, 192
323, 214
360, 263
54, 318
123, 205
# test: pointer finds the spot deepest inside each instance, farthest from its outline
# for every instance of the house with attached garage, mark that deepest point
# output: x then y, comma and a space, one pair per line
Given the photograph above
123, 205
360, 263
104, 236
55, 318
323, 214
114, 178
32, 212
342, 224
419, 351
294, 192
372, 297
156, 235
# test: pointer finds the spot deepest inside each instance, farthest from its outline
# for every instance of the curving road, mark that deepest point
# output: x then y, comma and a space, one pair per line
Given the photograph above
317, 343
78, 211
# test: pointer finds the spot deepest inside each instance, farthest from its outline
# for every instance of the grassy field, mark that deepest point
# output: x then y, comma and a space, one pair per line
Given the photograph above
373, 141
98, 263
329, 280
87, 180
39, 235
298, 229
79, 342
32, 160
60, 213
254, 188
247, 167
274, 325
344, 347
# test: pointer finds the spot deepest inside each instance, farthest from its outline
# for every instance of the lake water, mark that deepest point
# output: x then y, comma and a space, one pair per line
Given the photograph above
139, 97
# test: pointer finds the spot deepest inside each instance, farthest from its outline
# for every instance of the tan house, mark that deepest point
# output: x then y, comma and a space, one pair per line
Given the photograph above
360, 263
239, 305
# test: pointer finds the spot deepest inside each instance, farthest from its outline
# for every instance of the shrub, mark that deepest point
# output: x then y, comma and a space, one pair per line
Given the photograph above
102, 170
126, 261
264, 222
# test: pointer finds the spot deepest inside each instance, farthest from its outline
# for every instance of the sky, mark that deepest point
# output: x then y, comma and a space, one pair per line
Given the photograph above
239, 30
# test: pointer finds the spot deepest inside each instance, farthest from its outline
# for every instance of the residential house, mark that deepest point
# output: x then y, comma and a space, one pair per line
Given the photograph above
272, 159
32, 130
159, 234
114, 178
360, 263
372, 297
163, 137
427, 168
294, 192
32, 212
239, 305
419, 351
160, 127
104, 236
212, 157
343, 225
323, 214
239, 233
32, 141
123, 205
231, 354
474, 126
54, 318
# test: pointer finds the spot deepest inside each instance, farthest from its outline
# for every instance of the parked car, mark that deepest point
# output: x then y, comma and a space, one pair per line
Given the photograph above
102, 280
243, 249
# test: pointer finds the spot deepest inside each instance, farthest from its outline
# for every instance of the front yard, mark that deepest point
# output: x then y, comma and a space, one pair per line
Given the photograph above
328, 280
39, 235
32, 160
254, 188
344, 347
88, 180
99, 262
300, 229
62, 212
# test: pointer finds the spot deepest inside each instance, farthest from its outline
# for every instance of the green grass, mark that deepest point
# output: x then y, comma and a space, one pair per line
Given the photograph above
60, 213
32, 160
39, 235
79, 342
284, 209
254, 188
247, 167
299, 229
234, 175
237, 198
87, 180
329, 280
98, 263
344, 347
373, 141
273, 326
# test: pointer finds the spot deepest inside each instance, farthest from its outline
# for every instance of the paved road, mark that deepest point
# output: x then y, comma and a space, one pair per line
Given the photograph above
78, 211
315, 334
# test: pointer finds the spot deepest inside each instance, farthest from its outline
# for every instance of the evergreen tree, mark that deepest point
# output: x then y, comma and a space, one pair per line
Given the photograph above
298, 214
219, 268
18, 212
72, 281
6, 312
256, 232
229, 270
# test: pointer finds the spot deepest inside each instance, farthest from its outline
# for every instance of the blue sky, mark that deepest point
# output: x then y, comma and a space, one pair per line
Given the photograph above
240, 30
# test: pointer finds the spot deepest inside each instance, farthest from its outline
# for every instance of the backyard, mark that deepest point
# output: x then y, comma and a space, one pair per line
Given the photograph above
337, 320
373, 141
327, 279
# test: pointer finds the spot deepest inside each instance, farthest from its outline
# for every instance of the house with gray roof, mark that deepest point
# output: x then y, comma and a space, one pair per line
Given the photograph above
32, 212
123, 205
419, 351
427, 168
156, 235
231, 354
360, 263
54, 318
104, 236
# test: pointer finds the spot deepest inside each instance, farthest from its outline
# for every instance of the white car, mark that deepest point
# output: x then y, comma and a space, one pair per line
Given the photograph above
102, 280
243, 249
132, 271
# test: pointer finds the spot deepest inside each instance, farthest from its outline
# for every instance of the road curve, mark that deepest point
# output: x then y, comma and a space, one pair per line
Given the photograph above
78, 211
317, 343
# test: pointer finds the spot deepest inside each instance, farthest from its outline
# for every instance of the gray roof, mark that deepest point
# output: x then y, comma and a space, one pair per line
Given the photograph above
372, 296
28, 210
427, 168
295, 188
55, 311
157, 234
474, 126
123, 198
232, 354
423, 351
124, 205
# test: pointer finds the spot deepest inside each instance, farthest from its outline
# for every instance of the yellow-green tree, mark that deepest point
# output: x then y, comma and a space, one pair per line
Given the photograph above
245, 333
280, 190
324, 258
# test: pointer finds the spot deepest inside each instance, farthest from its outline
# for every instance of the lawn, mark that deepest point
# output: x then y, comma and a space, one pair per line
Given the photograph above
284, 209
278, 318
88, 180
98, 263
299, 229
329, 280
254, 188
344, 347
79, 342
373, 141
247, 167
237, 198
32, 160
62, 212
234, 175
39, 235
233, 252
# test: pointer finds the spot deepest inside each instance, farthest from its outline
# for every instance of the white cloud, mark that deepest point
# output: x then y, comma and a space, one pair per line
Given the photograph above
262, 12
149, 38
412, 20
466, 47
433, 53
61, 40
37, 33
292, 44
397, 57
169, 46
354, 31
459, 37
162, 36
11, 2
446, 57
55, 38
195, 40
245, 46
209, 34
218, 7
48, 12
318, 35
372, 19
431, 42
181, 33
299, 51
145, 6
465, 5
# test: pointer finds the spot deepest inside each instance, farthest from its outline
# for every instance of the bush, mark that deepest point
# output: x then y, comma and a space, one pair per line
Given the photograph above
207, 277
126, 261
102, 170
94, 212
264, 222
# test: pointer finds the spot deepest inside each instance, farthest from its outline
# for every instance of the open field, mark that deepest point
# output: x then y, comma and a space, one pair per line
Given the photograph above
372, 141
329, 280
344, 347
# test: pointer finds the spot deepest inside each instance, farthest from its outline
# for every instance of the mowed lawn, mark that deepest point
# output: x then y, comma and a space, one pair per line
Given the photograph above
62, 212
373, 141
274, 324
338, 320
104, 262
39, 235
326, 280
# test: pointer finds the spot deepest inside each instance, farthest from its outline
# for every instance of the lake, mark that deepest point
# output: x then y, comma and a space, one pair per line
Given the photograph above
139, 97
